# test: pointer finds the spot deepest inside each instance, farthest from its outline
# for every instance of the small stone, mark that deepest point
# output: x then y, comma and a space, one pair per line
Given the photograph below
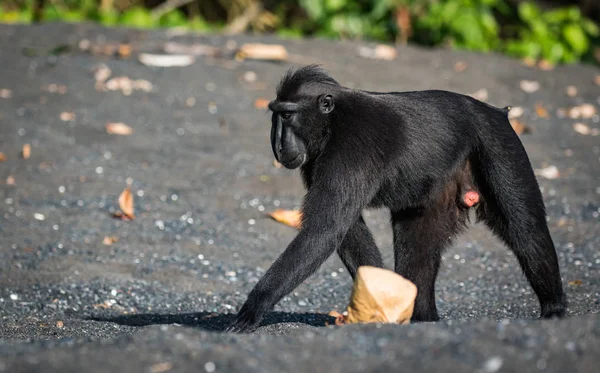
39, 216
14, 296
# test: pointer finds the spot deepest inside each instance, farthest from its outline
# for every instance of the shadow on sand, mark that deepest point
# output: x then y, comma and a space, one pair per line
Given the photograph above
214, 321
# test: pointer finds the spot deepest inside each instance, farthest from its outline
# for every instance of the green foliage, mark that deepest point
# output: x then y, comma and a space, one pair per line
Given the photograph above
560, 35
464, 24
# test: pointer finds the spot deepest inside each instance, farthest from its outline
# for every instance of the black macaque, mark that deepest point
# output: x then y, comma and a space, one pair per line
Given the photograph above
428, 156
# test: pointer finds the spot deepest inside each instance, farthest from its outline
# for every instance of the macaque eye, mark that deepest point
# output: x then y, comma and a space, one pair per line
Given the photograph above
286, 115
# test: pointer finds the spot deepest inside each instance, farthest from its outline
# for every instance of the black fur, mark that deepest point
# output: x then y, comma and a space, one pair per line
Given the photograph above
414, 153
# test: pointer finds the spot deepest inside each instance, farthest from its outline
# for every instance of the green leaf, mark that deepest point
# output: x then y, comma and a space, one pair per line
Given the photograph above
528, 11
108, 17
173, 19
590, 27
137, 17
577, 39
488, 22
314, 8
335, 5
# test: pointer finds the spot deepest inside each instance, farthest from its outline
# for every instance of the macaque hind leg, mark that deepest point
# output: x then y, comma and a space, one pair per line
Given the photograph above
420, 236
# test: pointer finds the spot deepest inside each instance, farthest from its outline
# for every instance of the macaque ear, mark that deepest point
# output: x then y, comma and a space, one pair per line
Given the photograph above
326, 104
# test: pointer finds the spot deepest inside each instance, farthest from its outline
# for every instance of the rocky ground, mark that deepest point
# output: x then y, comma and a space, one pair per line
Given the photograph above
203, 178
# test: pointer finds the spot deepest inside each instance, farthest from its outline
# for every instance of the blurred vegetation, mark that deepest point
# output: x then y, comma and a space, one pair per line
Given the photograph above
521, 29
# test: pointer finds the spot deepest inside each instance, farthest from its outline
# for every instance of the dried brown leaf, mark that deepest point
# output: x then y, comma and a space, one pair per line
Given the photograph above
575, 282
584, 129
519, 127
124, 50
10, 180
26, 153
379, 52
381, 295
460, 66
290, 218
67, 116
109, 240
126, 203
161, 367
529, 86
550, 172
166, 60
118, 128
545, 65
481, 95
515, 112
585, 111
528, 61
597, 80
255, 51
194, 49
339, 318
571, 91
541, 111
2, 157
105, 305
261, 103
5, 93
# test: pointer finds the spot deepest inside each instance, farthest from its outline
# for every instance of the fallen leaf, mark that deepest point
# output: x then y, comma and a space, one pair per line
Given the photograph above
261, 103
124, 50
528, 61
118, 128
250, 77
571, 91
60, 324
481, 95
460, 66
104, 305
545, 65
256, 51
109, 240
126, 203
339, 318
541, 111
67, 116
166, 60
10, 180
529, 86
519, 127
381, 296
379, 52
161, 367
550, 172
194, 49
585, 111
584, 129
56, 88
2, 157
290, 218
5, 93
597, 80
575, 282
26, 153
515, 112
102, 73
190, 101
